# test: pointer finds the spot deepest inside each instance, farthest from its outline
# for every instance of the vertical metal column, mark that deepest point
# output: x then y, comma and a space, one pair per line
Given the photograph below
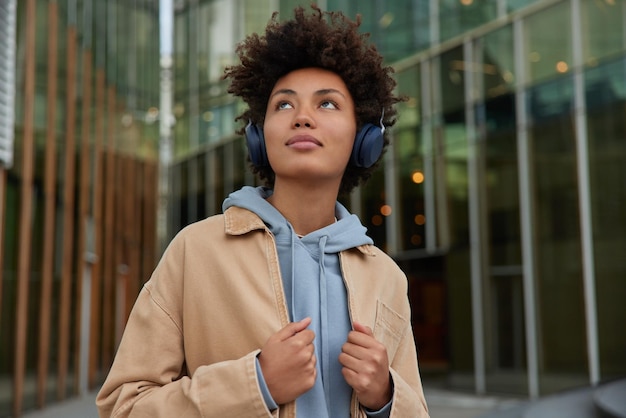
391, 197
428, 152
193, 113
84, 259
166, 24
526, 212
477, 266
584, 198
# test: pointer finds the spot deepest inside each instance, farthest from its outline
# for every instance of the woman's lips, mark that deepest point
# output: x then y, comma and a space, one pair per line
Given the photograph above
303, 142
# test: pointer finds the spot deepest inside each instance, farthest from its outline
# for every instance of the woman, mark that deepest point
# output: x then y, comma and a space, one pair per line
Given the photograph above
282, 306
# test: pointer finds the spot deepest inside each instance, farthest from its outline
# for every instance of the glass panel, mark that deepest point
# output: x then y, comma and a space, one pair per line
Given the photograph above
409, 163
513, 5
404, 28
548, 44
374, 208
202, 186
606, 103
177, 192
217, 171
503, 297
457, 17
239, 164
563, 357
450, 154
497, 69
399, 28
287, 6
181, 79
603, 29
257, 13
497, 125
191, 200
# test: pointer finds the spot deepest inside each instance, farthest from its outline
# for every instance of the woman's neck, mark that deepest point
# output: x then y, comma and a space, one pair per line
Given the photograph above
307, 210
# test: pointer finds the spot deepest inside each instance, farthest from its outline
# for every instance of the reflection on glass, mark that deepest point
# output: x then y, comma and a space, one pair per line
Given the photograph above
459, 16
503, 296
547, 51
513, 5
409, 163
603, 29
606, 99
450, 156
373, 198
496, 68
399, 28
563, 356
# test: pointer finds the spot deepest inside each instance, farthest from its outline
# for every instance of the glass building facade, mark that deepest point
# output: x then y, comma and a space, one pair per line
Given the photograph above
502, 196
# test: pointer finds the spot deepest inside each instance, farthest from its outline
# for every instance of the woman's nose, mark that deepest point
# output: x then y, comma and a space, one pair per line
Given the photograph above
303, 120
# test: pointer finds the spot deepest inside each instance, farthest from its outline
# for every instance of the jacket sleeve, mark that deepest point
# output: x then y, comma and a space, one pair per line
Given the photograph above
149, 377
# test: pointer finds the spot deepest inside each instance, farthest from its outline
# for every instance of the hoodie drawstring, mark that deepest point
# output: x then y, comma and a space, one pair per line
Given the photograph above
324, 316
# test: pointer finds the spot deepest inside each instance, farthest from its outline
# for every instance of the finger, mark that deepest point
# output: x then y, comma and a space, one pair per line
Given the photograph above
293, 328
348, 361
358, 352
306, 336
363, 328
361, 339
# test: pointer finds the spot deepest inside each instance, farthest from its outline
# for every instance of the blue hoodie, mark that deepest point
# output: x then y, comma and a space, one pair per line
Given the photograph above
314, 288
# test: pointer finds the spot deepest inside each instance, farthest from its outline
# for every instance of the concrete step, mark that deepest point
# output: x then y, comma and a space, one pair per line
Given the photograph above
571, 404
610, 399
605, 401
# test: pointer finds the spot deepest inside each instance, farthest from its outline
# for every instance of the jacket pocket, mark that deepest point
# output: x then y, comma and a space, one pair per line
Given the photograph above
389, 328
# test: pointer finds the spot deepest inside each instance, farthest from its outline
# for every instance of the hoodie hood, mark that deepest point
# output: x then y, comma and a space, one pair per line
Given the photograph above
346, 233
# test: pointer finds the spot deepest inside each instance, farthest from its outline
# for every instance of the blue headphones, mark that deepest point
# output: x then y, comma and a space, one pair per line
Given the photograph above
368, 145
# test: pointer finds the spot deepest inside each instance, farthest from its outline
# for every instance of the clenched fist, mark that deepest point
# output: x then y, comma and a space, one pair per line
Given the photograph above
288, 361
366, 367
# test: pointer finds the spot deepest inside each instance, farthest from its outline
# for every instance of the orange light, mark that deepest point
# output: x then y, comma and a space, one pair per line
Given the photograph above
417, 177
419, 219
416, 239
385, 210
562, 67
377, 220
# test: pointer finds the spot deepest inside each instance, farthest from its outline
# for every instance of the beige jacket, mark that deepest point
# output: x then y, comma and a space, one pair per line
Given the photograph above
190, 343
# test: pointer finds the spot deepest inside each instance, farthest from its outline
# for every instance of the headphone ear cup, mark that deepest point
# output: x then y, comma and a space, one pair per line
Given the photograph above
368, 146
256, 145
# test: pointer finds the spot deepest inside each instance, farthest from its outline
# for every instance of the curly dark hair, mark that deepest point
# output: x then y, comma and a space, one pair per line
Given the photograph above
327, 40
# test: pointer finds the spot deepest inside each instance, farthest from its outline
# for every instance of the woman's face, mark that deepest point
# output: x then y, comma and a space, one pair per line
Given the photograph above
310, 126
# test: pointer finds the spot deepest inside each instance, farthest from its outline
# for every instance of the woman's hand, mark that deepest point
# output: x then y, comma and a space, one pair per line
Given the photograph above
288, 361
366, 367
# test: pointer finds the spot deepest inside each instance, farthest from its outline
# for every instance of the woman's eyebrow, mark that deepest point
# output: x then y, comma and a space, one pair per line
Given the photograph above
320, 92
283, 91
323, 92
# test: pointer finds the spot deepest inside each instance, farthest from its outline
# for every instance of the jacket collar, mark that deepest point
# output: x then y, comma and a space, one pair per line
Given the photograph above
240, 221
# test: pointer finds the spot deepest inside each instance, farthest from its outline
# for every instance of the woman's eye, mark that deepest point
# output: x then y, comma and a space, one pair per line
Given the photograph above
283, 105
328, 105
